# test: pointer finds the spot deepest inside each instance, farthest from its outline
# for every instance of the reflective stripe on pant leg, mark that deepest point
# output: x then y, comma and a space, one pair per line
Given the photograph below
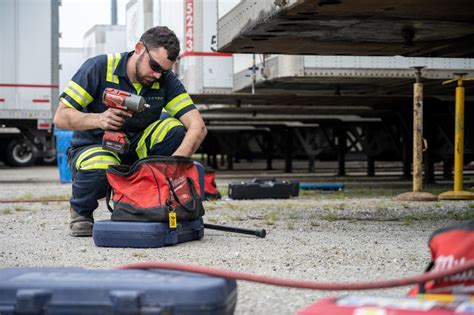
155, 134
96, 158
168, 141
90, 183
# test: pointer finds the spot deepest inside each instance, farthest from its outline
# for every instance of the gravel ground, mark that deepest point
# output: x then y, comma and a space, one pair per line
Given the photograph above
357, 235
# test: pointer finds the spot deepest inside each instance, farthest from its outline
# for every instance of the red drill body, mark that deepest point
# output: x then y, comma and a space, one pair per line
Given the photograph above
117, 141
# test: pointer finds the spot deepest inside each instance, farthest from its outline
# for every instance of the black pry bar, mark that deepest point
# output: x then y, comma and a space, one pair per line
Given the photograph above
257, 232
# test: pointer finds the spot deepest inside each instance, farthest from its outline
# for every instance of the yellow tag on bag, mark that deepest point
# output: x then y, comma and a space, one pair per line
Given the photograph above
172, 220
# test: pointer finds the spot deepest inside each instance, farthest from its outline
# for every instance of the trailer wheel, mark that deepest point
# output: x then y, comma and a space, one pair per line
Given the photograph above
19, 153
51, 160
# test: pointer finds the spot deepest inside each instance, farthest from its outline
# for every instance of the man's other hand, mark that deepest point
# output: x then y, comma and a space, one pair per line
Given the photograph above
113, 119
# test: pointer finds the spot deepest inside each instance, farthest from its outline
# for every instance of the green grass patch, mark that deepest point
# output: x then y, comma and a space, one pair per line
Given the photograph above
27, 197
232, 218
139, 254
209, 206
21, 209
7, 211
54, 197
223, 190
293, 216
309, 193
231, 205
449, 215
340, 194
313, 216
271, 218
330, 217
407, 219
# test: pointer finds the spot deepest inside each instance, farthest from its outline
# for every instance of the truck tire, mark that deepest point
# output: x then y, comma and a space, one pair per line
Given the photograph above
19, 153
51, 160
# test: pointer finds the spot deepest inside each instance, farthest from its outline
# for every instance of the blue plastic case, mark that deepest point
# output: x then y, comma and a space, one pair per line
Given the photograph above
109, 233
68, 291
318, 186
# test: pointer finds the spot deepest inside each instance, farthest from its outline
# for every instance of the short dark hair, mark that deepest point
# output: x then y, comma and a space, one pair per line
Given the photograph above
162, 36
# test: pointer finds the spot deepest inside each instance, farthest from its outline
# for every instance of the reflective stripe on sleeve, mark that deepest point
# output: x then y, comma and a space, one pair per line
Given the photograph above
112, 62
78, 94
66, 102
178, 103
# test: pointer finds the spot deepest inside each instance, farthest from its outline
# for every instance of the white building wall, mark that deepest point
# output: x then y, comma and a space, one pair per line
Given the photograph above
70, 59
103, 39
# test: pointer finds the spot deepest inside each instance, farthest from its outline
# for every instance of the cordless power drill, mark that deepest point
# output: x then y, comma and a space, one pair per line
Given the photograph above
117, 141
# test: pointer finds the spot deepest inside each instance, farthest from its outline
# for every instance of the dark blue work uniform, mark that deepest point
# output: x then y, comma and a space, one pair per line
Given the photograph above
151, 132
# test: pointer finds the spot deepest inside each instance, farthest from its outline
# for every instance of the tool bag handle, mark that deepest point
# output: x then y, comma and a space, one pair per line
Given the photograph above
192, 189
108, 196
264, 180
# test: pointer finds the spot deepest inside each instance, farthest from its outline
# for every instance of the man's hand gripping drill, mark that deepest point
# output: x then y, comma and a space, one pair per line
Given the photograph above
121, 105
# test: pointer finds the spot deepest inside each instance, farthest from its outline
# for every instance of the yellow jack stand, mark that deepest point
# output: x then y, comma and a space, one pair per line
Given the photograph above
417, 194
458, 193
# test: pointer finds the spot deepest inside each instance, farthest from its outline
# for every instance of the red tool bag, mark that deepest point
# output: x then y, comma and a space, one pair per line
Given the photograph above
450, 247
159, 188
210, 187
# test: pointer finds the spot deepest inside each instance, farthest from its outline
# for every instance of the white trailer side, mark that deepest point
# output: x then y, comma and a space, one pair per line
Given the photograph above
29, 78
202, 68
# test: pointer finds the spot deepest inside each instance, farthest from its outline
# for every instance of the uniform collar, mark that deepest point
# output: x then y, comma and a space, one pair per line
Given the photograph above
121, 69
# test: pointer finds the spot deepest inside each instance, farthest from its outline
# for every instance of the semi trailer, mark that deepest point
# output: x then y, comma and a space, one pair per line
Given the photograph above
29, 80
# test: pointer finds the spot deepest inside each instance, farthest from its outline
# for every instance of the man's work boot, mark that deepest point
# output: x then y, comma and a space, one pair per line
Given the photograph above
80, 225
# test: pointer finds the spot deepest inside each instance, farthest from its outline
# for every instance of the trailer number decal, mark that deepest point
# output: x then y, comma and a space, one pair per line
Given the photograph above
189, 25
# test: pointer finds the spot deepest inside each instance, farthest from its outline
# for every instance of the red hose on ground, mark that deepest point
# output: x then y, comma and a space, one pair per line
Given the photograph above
379, 284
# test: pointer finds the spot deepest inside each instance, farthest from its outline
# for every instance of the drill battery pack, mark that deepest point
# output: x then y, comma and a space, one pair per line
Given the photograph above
115, 142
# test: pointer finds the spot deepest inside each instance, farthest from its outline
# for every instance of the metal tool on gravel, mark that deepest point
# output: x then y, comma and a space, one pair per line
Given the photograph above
257, 232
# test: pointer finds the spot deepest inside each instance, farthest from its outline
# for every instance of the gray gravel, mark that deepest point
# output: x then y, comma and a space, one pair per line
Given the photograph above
351, 236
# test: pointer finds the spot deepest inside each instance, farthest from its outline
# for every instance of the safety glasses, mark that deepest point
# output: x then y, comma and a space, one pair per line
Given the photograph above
155, 66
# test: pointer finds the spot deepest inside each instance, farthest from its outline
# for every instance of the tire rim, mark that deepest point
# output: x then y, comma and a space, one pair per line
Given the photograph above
49, 159
22, 153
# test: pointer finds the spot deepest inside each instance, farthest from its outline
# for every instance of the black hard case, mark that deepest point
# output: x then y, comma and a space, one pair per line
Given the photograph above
263, 188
